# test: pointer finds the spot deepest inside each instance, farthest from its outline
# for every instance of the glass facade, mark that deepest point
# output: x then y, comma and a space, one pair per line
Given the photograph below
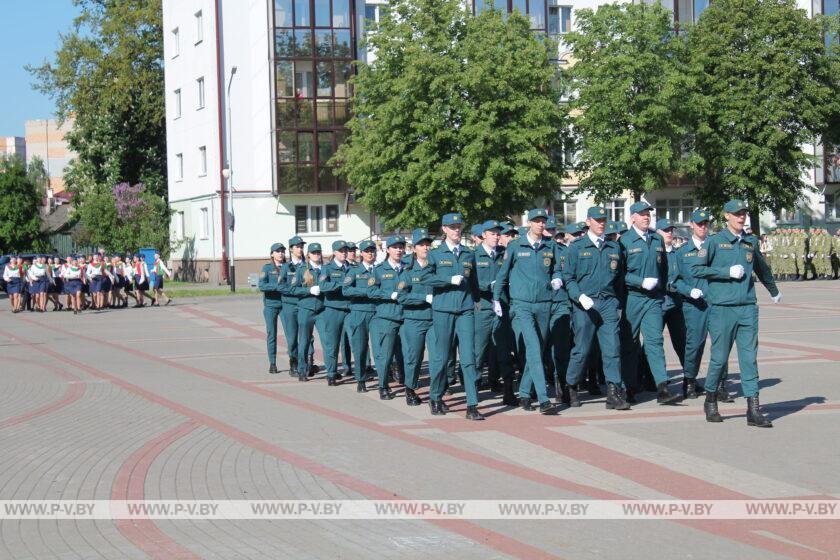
314, 46
535, 10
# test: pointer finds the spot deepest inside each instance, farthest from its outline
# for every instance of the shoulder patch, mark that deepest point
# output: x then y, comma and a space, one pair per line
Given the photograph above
701, 253
401, 285
322, 278
348, 279
371, 281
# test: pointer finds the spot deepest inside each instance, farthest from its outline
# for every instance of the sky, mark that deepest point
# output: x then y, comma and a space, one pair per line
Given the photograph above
30, 34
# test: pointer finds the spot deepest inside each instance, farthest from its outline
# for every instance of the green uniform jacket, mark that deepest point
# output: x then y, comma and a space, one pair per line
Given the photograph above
307, 300
412, 292
684, 281
644, 260
268, 284
560, 253
356, 284
596, 273
486, 270
527, 272
672, 297
386, 281
724, 250
444, 265
286, 282
331, 287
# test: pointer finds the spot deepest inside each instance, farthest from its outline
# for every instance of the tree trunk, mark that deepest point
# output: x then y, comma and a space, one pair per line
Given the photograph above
755, 224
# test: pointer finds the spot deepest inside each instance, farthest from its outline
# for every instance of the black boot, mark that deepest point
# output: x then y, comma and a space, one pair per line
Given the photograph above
302, 377
664, 396
272, 368
473, 413
435, 408
525, 404
628, 395
564, 395
689, 388
754, 415
361, 387
710, 407
292, 367
385, 394
313, 369
615, 398
411, 398
338, 376
573, 396
331, 382
547, 408
443, 406
509, 399
722, 393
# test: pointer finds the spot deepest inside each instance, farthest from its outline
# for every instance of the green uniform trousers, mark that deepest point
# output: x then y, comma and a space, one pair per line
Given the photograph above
560, 333
384, 334
270, 314
675, 321
696, 327
307, 321
446, 326
415, 336
601, 321
645, 316
530, 325
730, 324
493, 338
358, 326
332, 328
288, 317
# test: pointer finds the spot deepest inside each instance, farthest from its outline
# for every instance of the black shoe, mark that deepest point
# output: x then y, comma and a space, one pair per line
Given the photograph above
436, 408
722, 394
292, 366
689, 388
525, 404
302, 377
313, 369
754, 415
615, 398
473, 413
574, 401
629, 395
594, 389
338, 377
385, 394
710, 407
370, 373
547, 408
272, 368
361, 387
664, 396
331, 382
412, 398
443, 406
563, 395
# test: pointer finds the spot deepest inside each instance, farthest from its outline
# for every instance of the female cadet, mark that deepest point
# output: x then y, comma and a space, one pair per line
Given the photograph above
95, 271
157, 271
309, 307
72, 275
336, 309
416, 300
39, 282
12, 275
361, 310
56, 286
141, 275
387, 320
272, 301
289, 301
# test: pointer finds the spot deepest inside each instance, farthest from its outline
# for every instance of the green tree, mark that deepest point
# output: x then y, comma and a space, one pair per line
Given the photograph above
20, 222
456, 113
107, 77
766, 85
629, 112
37, 173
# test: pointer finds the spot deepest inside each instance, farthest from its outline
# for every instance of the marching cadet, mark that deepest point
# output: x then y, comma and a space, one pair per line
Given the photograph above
593, 275
73, 275
289, 301
362, 309
272, 301
140, 276
728, 263
645, 280
531, 274
672, 305
346, 350
13, 276
560, 322
452, 277
39, 282
383, 289
488, 326
416, 300
336, 309
158, 271
309, 308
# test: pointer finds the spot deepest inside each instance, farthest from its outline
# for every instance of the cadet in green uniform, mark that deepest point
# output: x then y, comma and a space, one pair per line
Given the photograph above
452, 277
508, 235
310, 305
488, 326
728, 263
645, 279
416, 300
593, 276
531, 273
362, 309
272, 301
336, 309
346, 350
560, 323
672, 305
288, 313
384, 286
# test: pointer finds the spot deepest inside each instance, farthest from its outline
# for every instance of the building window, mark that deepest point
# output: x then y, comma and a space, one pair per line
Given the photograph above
202, 159
200, 83
179, 167
832, 207
565, 211
177, 103
179, 225
205, 223
789, 216
615, 209
559, 19
316, 219
832, 163
199, 27
678, 210
176, 43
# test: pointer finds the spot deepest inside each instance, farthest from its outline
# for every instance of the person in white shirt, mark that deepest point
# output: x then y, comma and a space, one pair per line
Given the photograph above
39, 282
12, 275
157, 271
73, 275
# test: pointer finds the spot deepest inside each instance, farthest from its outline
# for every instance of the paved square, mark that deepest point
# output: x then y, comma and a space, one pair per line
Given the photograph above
175, 403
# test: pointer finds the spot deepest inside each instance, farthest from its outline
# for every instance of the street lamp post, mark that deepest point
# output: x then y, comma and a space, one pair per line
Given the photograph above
228, 175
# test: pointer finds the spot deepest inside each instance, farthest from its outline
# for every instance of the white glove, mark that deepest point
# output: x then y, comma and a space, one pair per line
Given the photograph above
457, 279
497, 308
736, 271
315, 290
696, 293
777, 298
649, 283
394, 296
429, 298
556, 284
586, 302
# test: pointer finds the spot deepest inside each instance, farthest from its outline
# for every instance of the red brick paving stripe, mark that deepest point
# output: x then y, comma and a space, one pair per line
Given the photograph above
129, 484
74, 392
472, 531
